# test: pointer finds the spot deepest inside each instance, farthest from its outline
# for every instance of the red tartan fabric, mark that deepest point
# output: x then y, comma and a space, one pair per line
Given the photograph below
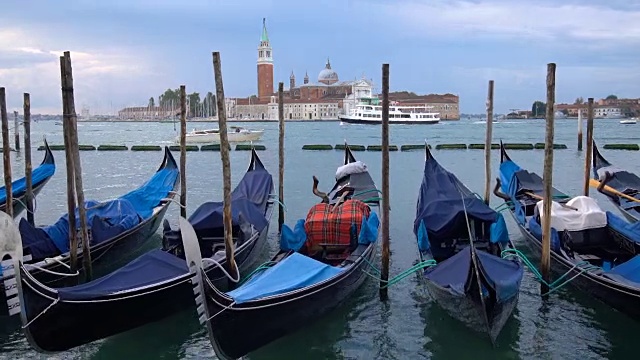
324, 226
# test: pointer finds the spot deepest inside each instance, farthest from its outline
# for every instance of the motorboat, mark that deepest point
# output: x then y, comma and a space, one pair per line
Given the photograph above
212, 136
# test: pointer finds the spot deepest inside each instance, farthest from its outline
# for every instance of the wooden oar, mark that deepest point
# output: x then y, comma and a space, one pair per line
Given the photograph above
535, 196
595, 183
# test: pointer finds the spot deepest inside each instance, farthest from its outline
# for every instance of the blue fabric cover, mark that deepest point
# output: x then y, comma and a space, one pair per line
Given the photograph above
629, 230
295, 239
38, 175
536, 230
105, 220
498, 231
151, 268
504, 276
423, 237
294, 272
440, 205
248, 198
627, 272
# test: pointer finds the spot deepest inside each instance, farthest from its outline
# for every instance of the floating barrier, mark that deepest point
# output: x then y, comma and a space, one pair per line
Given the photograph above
411, 147
379, 148
481, 146
187, 148
146, 148
622, 146
247, 147
451, 147
540, 146
317, 147
112, 147
212, 147
517, 146
352, 147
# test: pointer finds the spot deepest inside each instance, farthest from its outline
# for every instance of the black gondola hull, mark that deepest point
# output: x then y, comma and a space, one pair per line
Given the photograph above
622, 298
234, 333
56, 330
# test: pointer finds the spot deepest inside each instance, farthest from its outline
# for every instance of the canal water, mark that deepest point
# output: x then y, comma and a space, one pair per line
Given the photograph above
570, 325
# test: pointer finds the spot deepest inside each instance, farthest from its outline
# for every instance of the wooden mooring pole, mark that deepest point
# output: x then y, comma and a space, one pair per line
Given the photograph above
384, 271
545, 263
226, 167
28, 168
183, 151
71, 187
280, 155
579, 129
589, 155
487, 145
71, 118
6, 153
16, 130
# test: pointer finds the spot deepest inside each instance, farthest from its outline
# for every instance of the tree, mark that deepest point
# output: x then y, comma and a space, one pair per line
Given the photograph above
579, 101
538, 109
611, 97
194, 104
565, 112
151, 102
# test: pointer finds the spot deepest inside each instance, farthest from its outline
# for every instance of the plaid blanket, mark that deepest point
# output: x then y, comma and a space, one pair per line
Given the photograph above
326, 225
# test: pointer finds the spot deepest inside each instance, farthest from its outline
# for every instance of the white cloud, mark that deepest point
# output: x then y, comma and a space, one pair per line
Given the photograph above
526, 19
29, 65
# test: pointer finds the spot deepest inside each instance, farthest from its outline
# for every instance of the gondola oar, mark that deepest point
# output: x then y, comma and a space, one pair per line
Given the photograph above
595, 183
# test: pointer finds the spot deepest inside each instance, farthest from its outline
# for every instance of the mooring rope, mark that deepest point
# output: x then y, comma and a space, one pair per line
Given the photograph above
396, 279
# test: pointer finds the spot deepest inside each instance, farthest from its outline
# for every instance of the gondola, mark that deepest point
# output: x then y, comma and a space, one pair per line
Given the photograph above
153, 286
593, 249
621, 181
39, 178
315, 270
470, 279
116, 227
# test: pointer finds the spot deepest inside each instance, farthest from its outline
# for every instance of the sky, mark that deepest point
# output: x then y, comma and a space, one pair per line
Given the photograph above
125, 51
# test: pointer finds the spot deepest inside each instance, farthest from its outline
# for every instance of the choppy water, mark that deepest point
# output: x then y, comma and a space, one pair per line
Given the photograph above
570, 325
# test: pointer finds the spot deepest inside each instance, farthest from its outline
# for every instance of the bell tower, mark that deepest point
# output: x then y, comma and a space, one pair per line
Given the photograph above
265, 65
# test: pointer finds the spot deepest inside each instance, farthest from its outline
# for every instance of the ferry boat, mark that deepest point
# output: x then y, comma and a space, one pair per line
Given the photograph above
369, 111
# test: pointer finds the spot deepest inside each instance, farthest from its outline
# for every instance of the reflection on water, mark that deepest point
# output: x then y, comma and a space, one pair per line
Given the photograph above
569, 325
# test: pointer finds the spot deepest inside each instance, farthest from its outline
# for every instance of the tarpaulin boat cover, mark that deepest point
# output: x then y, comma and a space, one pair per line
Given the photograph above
441, 209
292, 273
154, 267
19, 187
627, 273
105, 220
249, 198
588, 215
629, 230
503, 276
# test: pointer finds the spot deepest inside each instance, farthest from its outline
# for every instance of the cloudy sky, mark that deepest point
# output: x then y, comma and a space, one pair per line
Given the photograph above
124, 51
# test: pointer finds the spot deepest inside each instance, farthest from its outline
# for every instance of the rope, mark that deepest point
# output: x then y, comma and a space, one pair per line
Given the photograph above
274, 198
396, 279
584, 266
43, 311
264, 266
223, 269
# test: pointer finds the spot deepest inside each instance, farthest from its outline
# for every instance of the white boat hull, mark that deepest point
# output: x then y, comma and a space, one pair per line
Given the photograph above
628, 121
214, 138
357, 120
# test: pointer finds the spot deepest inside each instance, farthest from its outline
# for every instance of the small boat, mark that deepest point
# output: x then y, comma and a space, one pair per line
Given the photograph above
596, 251
466, 240
369, 111
39, 178
155, 285
212, 136
116, 227
312, 274
625, 186
628, 121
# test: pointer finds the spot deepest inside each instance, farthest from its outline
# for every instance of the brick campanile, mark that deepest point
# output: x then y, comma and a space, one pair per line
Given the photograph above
265, 65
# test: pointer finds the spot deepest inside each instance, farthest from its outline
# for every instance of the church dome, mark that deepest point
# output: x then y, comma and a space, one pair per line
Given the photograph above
327, 75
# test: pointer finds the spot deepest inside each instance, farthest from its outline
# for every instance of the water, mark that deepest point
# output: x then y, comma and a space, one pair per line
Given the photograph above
571, 325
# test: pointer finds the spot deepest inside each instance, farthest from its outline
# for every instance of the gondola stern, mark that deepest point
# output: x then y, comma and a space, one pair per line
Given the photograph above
427, 151
503, 153
348, 155
48, 155
168, 162
255, 162
598, 160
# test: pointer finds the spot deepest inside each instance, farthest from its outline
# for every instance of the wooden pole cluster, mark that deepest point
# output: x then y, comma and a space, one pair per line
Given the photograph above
579, 129
384, 273
487, 145
226, 167
74, 166
183, 151
547, 179
280, 155
27, 158
16, 130
6, 153
589, 155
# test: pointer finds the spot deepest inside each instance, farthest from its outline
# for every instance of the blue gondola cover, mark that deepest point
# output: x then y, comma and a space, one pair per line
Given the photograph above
19, 186
630, 230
